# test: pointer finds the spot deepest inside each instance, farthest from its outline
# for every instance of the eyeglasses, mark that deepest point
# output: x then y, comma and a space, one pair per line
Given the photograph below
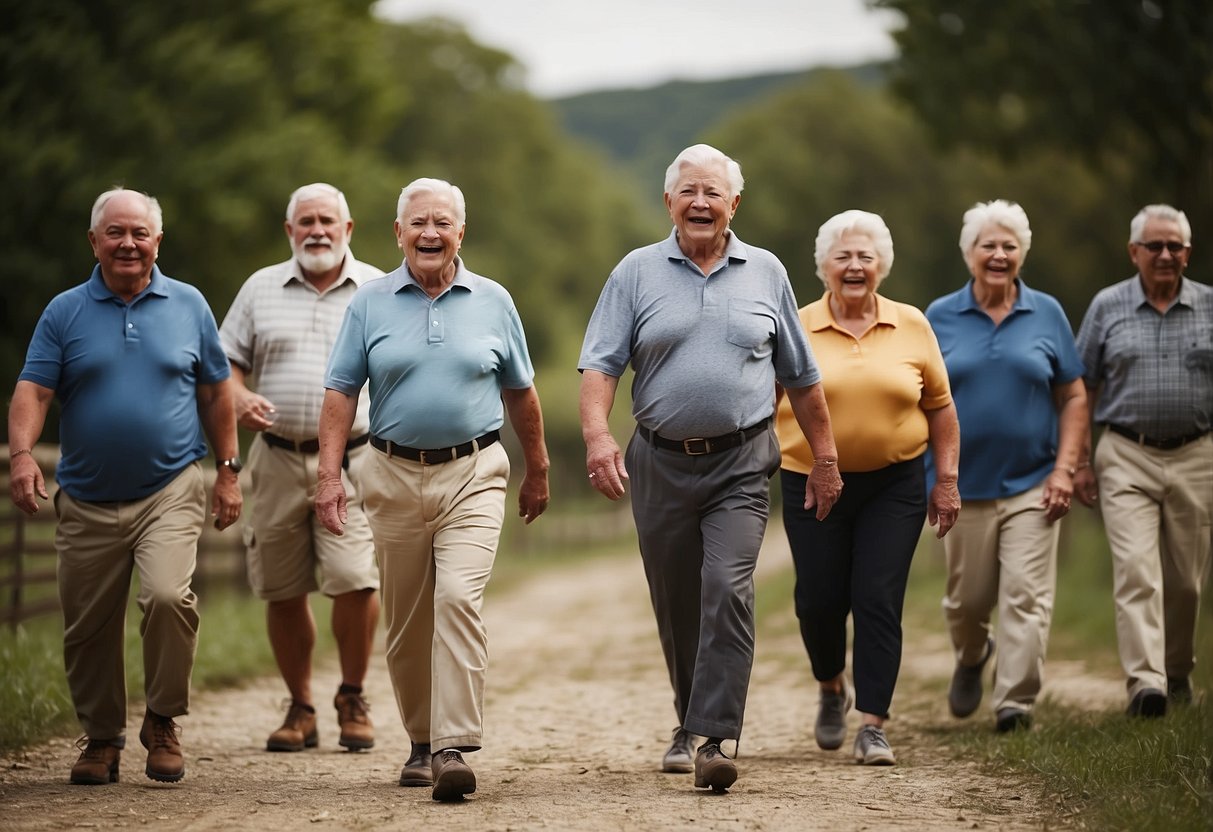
1156, 246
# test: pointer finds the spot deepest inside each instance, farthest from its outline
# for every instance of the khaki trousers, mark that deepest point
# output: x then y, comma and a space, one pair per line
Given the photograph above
1157, 508
1003, 554
99, 546
436, 531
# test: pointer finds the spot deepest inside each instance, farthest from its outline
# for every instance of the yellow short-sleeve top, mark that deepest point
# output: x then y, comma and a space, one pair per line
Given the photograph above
877, 387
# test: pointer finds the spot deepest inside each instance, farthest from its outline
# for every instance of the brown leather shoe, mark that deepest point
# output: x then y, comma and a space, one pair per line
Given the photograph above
165, 761
298, 730
418, 770
98, 763
453, 778
713, 770
357, 733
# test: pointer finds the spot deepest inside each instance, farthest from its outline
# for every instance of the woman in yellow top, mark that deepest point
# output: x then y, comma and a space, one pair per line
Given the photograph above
887, 389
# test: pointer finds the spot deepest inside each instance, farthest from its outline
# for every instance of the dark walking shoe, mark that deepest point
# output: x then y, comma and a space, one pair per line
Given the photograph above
417, 770
831, 727
1012, 719
298, 730
353, 715
679, 758
453, 778
964, 695
872, 747
165, 760
713, 770
1148, 702
98, 763
1179, 690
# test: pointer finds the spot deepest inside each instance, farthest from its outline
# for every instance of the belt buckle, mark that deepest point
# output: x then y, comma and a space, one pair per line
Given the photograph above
421, 457
686, 447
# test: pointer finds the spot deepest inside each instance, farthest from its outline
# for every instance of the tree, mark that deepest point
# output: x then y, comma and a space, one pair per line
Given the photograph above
1121, 84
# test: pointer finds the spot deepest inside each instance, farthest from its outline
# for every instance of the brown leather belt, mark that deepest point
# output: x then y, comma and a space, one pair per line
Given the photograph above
705, 445
1161, 444
435, 456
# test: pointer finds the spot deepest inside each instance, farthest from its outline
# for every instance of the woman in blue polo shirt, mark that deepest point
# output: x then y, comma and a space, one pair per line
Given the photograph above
1017, 382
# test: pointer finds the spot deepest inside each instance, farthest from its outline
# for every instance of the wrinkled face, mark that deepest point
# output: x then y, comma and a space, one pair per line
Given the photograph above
124, 241
428, 235
852, 267
701, 205
1164, 266
995, 257
319, 237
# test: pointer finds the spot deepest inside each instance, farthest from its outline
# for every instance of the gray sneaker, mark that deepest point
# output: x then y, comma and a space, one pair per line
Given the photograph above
872, 747
964, 694
831, 727
680, 756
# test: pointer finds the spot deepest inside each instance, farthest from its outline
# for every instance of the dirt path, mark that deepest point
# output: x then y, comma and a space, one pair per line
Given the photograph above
578, 712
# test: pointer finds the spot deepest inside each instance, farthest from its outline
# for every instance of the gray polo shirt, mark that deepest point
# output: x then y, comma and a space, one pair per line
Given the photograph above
1154, 370
707, 351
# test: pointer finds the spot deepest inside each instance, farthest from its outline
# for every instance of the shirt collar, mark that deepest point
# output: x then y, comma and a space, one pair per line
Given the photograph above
402, 278
734, 249
97, 290
349, 273
1186, 294
1023, 299
821, 317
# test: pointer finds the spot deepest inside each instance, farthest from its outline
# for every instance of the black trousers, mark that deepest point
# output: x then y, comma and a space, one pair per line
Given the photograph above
856, 562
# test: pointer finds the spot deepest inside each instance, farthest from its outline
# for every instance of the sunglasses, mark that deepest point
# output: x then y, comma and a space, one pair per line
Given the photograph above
1156, 246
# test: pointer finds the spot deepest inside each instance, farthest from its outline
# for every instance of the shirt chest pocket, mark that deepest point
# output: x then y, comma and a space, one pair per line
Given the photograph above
750, 326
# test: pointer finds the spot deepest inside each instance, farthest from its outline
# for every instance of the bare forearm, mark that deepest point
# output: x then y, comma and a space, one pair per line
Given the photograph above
218, 415
597, 399
1072, 426
27, 414
336, 418
526, 417
813, 415
943, 430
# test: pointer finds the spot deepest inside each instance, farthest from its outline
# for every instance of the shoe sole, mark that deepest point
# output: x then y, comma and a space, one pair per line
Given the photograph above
356, 745
678, 768
308, 742
163, 776
416, 780
78, 780
718, 778
881, 759
453, 785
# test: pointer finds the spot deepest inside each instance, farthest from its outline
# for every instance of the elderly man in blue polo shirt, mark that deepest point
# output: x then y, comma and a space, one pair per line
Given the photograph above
1147, 344
135, 360
442, 349
709, 324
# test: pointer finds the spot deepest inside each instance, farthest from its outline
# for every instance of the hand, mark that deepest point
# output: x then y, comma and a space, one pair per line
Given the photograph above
943, 507
533, 496
227, 500
253, 412
604, 465
1057, 492
1086, 488
823, 488
26, 484
331, 505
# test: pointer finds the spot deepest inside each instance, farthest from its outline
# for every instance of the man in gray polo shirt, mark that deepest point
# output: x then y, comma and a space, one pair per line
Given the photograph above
709, 324
278, 335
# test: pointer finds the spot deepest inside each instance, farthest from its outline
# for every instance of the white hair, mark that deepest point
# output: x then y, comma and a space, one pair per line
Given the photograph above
1000, 212
433, 186
704, 156
1160, 212
153, 208
855, 222
317, 190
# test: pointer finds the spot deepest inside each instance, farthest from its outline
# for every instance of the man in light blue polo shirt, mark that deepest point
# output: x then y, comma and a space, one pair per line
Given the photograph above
441, 348
135, 361
709, 324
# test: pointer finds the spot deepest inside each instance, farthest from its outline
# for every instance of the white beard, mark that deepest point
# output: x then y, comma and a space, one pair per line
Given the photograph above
320, 262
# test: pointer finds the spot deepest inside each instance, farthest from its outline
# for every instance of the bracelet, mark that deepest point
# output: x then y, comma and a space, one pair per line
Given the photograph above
1069, 469
18, 453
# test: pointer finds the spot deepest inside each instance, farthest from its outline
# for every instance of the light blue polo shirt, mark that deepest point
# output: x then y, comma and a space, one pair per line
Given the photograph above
1002, 383
127, 376
436, 366
707, 350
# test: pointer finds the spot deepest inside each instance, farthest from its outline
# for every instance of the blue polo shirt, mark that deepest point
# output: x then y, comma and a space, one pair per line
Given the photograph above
1002, 382
436, 366
126, 376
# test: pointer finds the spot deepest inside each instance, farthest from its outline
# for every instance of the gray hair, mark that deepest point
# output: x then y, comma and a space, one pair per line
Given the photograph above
153, 208
1160, 212
1000, 212
317, 190
857, 222
704, 156
433, 186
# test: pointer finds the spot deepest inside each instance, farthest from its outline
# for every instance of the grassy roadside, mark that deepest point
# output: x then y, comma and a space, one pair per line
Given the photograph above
1097, 768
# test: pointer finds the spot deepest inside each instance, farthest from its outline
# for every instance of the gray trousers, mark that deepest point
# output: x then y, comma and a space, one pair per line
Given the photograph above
700, 521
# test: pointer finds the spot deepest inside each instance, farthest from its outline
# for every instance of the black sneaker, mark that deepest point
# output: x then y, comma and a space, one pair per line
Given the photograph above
1148, 702
964, 694
1012, 719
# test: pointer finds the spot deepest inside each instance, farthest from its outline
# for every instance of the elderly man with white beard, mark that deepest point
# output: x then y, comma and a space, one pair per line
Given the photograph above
277, 336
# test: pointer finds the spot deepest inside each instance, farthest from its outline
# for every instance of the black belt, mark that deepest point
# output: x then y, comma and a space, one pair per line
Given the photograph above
435, 456
705, 445
310, 446
1161, 444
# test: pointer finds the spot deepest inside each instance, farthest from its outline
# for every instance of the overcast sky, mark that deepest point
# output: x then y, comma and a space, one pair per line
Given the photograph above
571, 46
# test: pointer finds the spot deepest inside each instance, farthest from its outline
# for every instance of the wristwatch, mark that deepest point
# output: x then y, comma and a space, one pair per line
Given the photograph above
234, 464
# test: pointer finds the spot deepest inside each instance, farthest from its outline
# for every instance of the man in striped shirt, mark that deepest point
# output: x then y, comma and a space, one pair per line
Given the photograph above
277, 336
